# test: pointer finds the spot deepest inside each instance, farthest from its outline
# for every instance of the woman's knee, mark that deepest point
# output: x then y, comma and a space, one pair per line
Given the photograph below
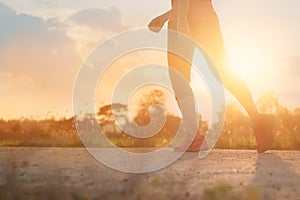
230, 79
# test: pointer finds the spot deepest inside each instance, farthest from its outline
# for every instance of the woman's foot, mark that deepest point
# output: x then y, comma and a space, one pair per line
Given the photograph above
198, 144
263, 131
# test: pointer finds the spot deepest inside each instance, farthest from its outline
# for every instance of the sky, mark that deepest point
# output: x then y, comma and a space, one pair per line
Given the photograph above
44, 42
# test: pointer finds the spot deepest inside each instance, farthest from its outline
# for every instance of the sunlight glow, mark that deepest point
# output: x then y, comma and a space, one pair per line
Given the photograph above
247, 59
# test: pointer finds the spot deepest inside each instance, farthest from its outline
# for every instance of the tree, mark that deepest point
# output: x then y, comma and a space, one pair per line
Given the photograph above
147, 104
107, 115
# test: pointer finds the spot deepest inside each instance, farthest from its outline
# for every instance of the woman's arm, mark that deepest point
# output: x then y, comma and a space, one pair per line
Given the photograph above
166, 15
158, 22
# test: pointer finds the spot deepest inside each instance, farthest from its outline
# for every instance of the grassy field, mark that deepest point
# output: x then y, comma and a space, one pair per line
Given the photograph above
236, 133
62, 133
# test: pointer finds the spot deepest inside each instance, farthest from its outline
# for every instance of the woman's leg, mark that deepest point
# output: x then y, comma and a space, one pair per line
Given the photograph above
208, 34
181, 64
239, 89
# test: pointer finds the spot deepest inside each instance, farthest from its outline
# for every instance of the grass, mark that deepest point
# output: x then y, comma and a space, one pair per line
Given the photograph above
218, 191
224, 191
236, 133
62, 133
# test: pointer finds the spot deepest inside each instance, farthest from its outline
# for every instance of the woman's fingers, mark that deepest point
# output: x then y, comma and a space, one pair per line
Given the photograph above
156, 24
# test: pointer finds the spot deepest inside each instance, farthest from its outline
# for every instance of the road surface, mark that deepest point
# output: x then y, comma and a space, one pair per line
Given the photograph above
72, 173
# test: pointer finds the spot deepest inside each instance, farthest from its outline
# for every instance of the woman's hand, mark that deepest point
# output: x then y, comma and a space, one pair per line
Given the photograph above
157, 23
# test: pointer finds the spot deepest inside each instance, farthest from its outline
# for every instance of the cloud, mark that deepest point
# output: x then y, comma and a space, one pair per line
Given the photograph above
38, 63
107, 19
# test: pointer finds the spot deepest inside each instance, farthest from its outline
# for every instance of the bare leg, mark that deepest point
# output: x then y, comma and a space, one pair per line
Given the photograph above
208, 34
241, 92
183, 92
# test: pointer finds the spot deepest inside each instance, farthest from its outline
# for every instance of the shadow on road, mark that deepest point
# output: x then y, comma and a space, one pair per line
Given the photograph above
272, 174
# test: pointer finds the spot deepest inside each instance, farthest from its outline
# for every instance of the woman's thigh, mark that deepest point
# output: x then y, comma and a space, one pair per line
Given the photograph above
180, 62
209, 36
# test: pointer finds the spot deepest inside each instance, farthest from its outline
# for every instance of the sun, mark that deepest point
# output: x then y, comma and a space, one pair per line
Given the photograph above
247, 58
